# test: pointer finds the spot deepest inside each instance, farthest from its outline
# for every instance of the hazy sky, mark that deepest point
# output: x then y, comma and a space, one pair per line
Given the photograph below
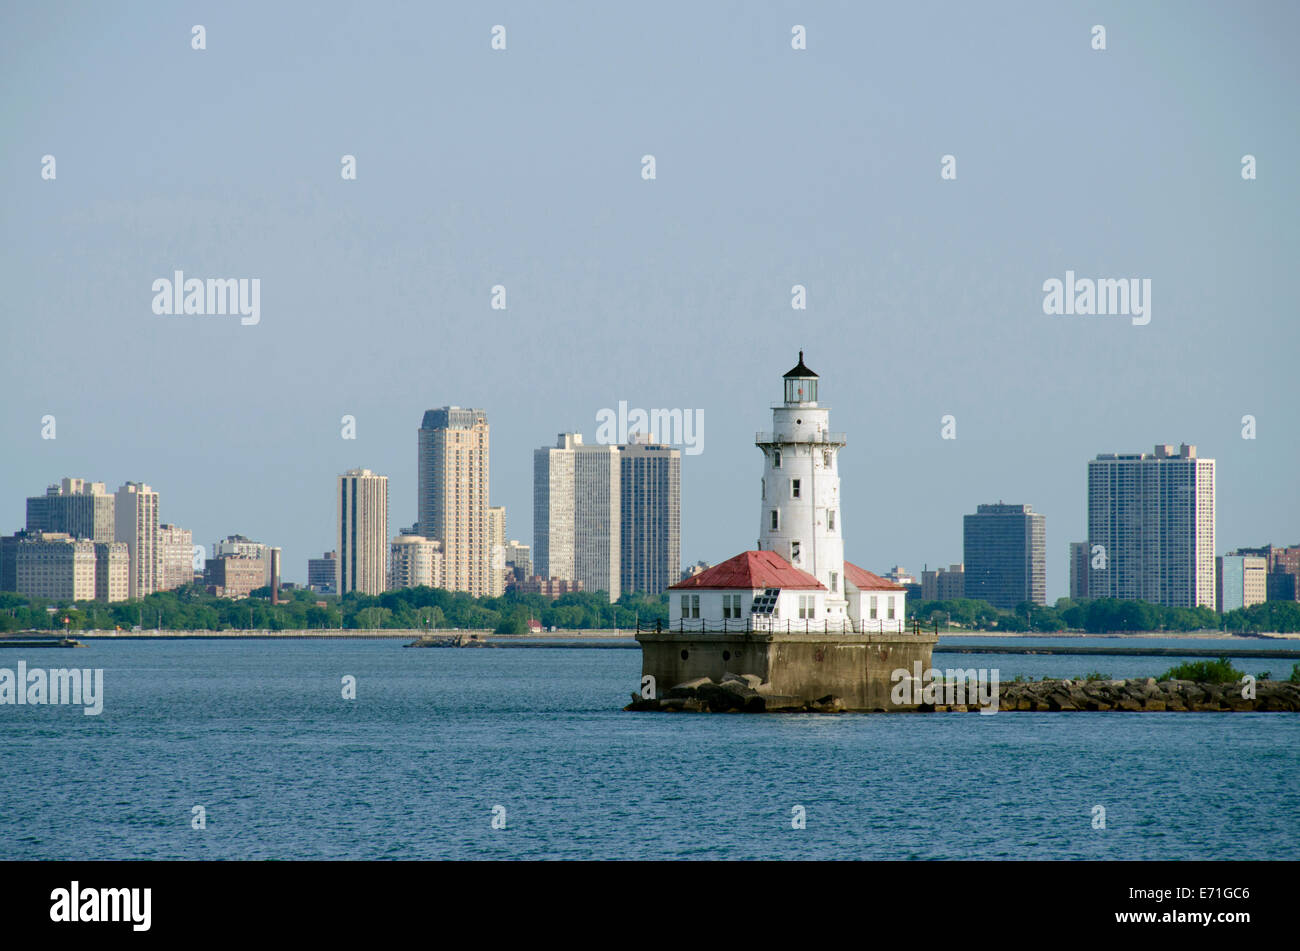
774, 167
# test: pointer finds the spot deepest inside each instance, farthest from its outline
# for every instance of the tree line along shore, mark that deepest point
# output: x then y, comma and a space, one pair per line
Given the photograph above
430, 609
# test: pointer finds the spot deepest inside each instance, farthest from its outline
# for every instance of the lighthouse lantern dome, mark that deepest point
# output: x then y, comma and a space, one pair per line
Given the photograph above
800, 384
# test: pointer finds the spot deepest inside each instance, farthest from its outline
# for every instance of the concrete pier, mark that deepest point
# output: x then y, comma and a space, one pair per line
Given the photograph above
853, 668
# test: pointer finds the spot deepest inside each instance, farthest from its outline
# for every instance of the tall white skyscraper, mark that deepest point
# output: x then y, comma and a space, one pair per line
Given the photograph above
362, 532
1151, 527
577, 513
453, 495
553, 508
135, 522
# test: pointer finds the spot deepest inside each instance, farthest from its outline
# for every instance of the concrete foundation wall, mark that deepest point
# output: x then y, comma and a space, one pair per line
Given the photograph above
855, 668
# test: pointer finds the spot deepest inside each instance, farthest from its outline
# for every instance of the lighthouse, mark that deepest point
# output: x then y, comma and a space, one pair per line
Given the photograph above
792, 620
800, 509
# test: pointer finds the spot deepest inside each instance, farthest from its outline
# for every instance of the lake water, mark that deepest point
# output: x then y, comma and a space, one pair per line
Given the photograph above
259, 735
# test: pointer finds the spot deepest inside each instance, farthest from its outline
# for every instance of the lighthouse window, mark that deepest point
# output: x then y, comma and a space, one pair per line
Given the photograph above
794, 488
891, 607
695, 605
873, 607
835, 582
826, 459
776, 458
763, 485
776, 519
830, 519
794, 552
807, 606
730, 606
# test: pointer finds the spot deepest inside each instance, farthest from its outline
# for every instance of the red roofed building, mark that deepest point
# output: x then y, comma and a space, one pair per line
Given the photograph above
873, 598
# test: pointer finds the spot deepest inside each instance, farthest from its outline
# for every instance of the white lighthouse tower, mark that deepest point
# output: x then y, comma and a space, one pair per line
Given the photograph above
800, 517
793, 622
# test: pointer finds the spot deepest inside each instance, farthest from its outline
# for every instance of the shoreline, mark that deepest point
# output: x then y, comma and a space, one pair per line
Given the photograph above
605, 634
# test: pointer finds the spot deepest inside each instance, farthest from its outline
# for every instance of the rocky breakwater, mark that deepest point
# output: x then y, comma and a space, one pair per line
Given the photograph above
450, 640
1150, 696
745, 693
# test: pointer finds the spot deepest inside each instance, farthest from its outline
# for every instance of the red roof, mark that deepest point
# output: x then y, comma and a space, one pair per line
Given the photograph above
752, 569
865, 580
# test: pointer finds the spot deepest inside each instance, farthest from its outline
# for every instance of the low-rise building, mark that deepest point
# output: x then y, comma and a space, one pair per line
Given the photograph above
234, 576
1240, 581
321, 572
943, 584
58, 567
550, 588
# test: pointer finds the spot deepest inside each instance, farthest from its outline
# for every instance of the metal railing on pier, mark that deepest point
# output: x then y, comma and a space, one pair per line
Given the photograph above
767, 625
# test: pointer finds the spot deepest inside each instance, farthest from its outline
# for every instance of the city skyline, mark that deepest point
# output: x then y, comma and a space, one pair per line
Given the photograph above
87, 490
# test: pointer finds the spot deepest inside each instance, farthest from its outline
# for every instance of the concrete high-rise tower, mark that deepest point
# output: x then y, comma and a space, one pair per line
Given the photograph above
453, 495
497, 550
362, 532
1151, 527
135, 522
651, 513
78, 507
800, 511
1006, 555
577, 497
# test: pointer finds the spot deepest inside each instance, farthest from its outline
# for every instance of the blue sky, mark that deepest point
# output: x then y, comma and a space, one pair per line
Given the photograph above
774, 167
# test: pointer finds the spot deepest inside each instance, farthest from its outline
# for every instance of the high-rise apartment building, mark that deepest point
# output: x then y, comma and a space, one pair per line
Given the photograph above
1079, 557
650, 529
1152, 514
362, 532
76, 507
135, 522
553, 498
497, 550
597, 522
414, 561
176, 554
1005, 555
577, 498
452, 504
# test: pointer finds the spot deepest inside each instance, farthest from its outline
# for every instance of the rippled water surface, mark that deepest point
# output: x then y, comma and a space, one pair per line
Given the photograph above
259, 735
